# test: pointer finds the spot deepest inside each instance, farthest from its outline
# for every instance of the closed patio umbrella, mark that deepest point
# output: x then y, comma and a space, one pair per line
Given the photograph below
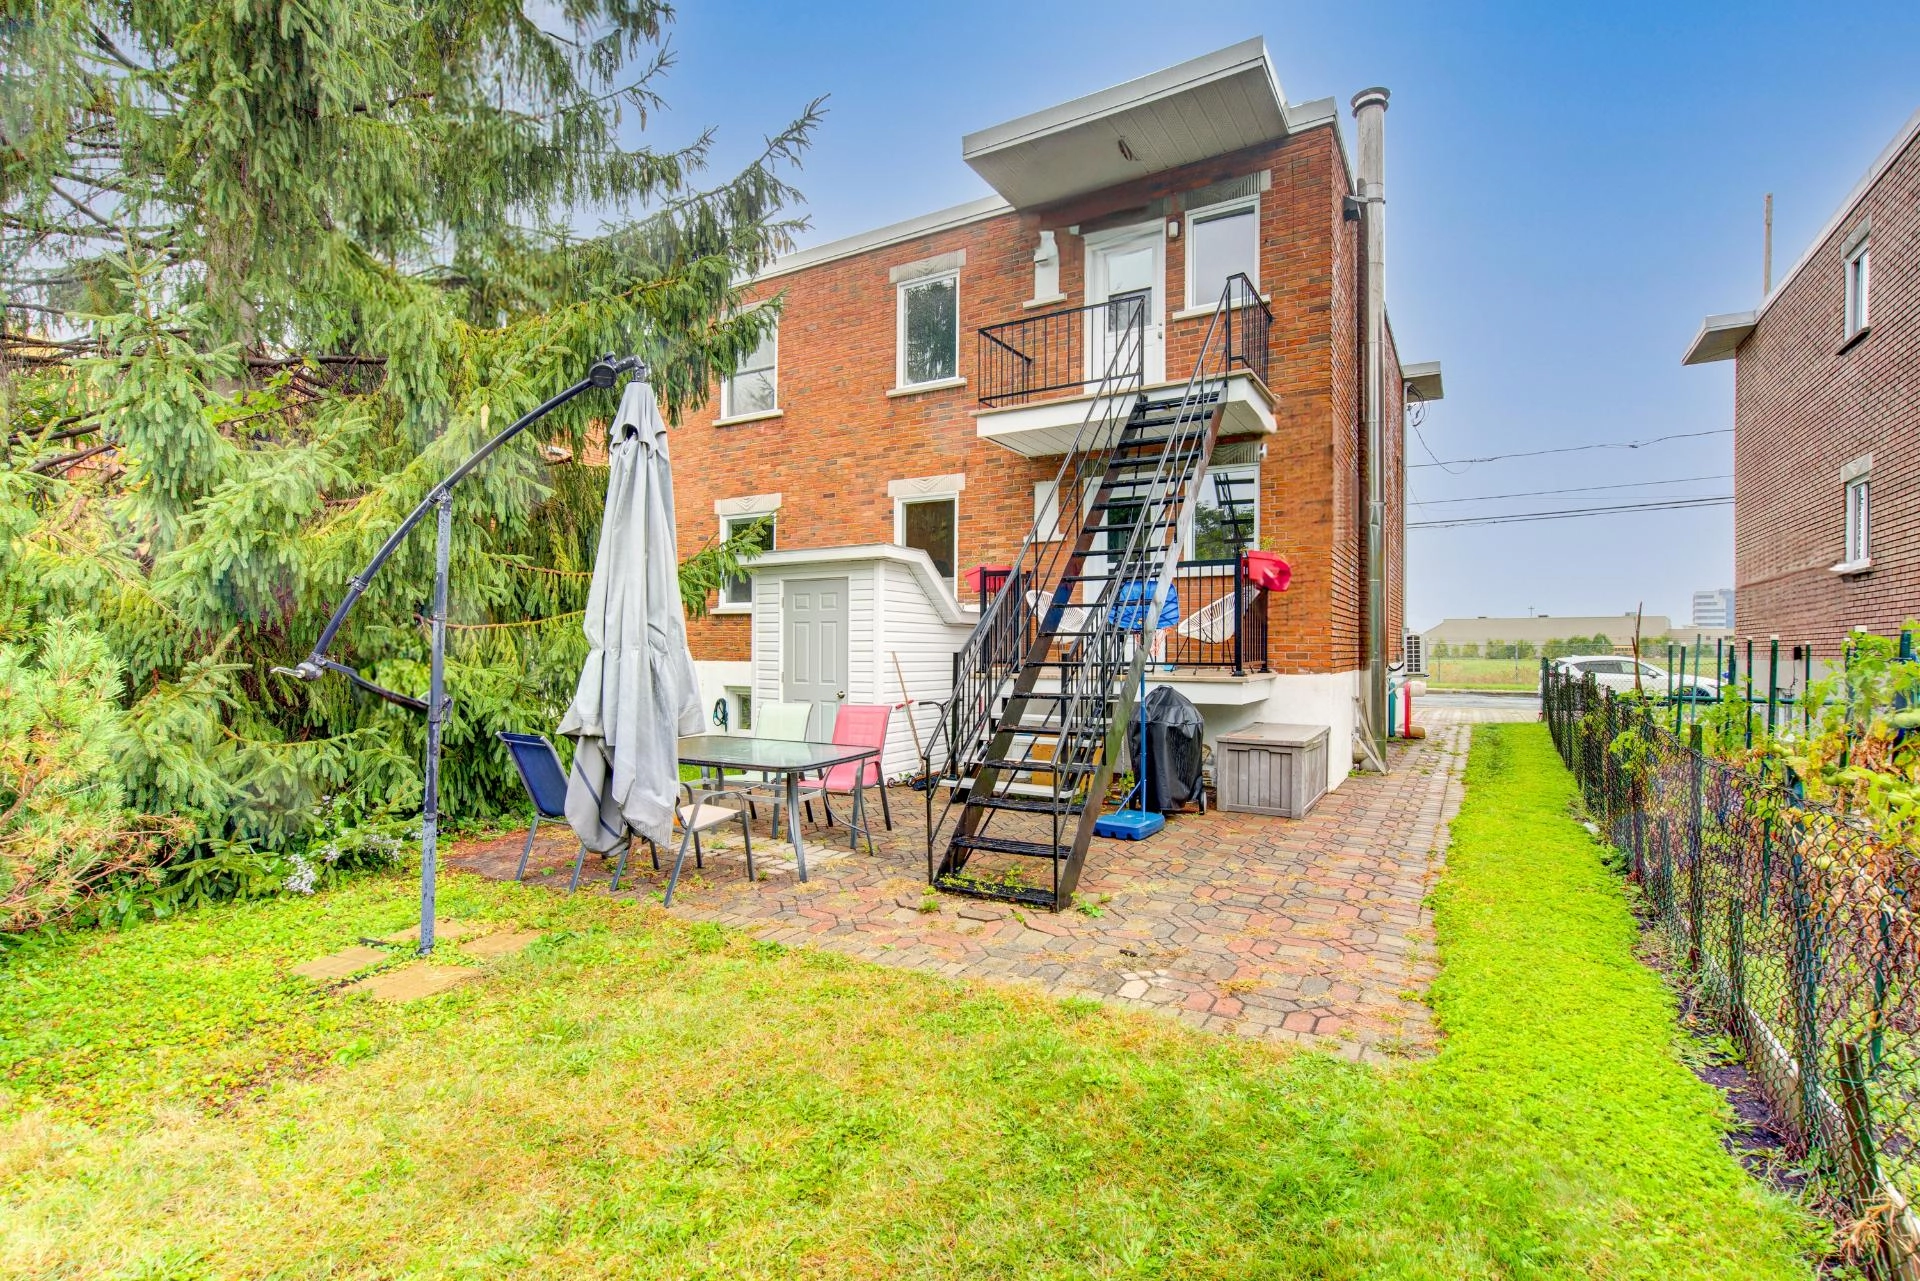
637, 692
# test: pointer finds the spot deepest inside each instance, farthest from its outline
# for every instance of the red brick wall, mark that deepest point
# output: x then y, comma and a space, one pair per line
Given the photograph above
840, 439
1804, 408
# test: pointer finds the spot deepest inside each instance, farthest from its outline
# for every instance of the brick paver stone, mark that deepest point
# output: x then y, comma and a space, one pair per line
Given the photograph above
341, 964
1311, 930
413, 981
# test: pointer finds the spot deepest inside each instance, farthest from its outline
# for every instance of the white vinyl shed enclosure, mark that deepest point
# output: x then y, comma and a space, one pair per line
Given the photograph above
828, 624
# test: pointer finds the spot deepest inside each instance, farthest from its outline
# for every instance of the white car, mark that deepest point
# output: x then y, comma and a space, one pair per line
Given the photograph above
1610, 671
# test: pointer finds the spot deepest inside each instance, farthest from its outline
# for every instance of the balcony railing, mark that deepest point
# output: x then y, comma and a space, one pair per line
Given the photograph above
1067, 351
1223, 619
1223, 616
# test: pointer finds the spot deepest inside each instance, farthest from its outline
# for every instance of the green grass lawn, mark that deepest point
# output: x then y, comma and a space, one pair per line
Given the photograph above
1484, 673
638, 1096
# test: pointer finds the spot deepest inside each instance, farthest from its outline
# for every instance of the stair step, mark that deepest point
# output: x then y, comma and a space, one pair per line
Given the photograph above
1008, 845
1027, 804
1051, 731
1033, 766
1030, 896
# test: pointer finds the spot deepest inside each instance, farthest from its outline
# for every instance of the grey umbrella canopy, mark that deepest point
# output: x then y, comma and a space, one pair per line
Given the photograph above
637, 691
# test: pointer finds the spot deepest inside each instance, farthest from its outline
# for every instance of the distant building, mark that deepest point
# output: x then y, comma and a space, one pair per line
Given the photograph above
1714, 608
1538, 630
1826, 488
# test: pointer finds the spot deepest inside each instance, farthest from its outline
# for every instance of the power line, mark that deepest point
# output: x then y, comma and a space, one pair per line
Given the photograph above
1673, 504
1574, 449
1576, 489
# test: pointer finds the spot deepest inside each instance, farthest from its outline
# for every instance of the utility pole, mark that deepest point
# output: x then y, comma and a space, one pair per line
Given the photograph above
1766, 254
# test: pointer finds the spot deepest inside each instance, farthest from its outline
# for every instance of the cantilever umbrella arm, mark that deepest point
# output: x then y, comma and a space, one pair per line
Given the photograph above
605, 372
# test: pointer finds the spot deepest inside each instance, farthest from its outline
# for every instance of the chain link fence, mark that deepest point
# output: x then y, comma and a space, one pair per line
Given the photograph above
1797, 927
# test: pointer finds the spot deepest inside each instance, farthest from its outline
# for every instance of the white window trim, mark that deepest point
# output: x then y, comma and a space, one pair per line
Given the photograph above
1858, 261
900, 383
903, 493
728, 510
1857, 472
1202, 214
726, 391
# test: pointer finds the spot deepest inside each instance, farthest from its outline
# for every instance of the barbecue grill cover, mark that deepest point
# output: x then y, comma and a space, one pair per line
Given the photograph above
1174, 733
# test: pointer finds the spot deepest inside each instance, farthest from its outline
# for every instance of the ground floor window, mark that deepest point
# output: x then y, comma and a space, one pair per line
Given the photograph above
739, 591
1226, 513
1859, 504
933, 526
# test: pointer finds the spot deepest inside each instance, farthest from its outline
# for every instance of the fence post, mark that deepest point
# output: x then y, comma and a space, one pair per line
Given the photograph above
1749, 691
1696, 881
1803, 970
1852, 1085
1773, 682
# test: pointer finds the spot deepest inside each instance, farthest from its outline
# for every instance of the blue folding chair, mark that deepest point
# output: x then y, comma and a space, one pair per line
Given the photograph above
546, 785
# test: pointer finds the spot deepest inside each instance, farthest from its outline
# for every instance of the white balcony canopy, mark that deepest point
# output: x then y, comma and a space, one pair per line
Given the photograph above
1212, 105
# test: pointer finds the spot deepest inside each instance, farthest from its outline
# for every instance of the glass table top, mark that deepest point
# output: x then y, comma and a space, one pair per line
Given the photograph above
738, 751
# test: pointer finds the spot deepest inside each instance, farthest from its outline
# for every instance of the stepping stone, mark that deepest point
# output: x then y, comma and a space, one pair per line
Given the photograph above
327, 969
411, 982
507, 944
443, 931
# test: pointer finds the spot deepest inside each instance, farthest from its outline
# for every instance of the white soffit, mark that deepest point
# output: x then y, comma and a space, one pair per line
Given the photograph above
1423, 380
1719, 337
1207, 107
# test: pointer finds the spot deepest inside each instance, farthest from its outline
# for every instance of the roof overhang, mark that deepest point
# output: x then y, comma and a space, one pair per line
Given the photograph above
1423, 380
1217, 103
1720, 337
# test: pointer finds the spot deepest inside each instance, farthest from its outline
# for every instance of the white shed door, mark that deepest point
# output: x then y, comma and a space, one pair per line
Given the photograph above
813, 653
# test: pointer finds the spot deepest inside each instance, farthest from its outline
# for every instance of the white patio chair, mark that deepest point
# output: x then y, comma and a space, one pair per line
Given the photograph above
785, 722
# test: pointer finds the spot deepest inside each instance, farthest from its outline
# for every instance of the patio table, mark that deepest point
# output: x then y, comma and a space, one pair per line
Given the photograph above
785, 757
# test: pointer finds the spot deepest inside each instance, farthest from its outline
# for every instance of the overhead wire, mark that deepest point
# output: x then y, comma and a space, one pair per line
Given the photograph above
1575, 489
1672, 504
1570, 449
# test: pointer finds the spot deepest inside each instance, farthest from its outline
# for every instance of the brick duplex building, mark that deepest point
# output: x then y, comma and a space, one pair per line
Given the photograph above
894, 452
1827, 421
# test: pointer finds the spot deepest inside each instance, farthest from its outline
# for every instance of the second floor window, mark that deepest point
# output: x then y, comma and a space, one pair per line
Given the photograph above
1222, 242
1859, 505
929, 330
1858, 276
755, 386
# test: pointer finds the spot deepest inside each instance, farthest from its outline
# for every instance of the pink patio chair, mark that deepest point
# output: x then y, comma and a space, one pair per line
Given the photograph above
859, 725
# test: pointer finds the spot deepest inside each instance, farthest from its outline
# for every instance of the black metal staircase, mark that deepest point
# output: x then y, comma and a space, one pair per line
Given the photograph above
1046, 684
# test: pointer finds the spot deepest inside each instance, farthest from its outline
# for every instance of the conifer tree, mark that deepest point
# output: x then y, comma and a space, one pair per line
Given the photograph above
268, 269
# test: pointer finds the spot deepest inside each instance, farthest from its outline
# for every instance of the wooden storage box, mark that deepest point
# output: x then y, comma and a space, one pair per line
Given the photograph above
1272, 769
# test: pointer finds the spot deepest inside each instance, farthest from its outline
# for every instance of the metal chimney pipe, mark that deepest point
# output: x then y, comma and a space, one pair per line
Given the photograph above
1370, 119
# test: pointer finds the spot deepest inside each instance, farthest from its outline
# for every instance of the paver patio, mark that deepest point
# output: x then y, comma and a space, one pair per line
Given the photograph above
1313, 929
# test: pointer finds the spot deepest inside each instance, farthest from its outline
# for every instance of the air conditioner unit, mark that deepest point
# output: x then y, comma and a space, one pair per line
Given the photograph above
1413, 649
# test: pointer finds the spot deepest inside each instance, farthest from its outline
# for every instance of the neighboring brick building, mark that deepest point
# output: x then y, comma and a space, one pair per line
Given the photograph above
875, 430
1827, 421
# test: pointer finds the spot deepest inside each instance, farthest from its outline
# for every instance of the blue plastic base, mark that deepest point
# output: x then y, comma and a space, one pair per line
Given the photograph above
1128, 825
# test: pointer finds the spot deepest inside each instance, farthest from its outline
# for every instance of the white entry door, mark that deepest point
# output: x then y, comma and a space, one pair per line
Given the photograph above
813, 653
1126, 264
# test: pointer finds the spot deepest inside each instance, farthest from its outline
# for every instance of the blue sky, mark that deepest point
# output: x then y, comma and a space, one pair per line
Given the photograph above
1571, 188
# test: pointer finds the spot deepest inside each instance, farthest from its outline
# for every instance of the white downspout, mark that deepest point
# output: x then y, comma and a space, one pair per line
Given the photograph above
1369, 115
